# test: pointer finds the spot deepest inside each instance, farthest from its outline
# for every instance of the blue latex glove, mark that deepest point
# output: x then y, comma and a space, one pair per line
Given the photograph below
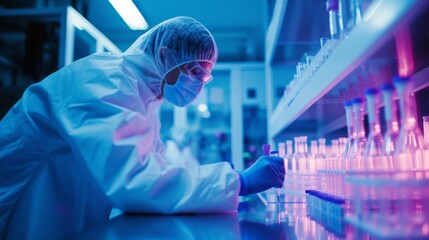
265, 173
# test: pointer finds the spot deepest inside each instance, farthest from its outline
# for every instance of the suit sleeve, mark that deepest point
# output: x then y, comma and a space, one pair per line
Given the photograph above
111, 130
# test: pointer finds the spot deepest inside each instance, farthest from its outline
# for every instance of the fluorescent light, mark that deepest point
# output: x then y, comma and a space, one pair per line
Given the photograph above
202, 107
130, 14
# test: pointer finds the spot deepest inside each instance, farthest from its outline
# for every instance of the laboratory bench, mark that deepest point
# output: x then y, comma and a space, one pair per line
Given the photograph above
253, 220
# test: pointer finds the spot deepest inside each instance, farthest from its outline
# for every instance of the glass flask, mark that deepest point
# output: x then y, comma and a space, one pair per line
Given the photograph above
409, 153
289, 155
304, 165
351, 134
282, 149
297, 154
374, 144
314, 152
343, 144
321, 154
426, 129
392, 124
355, 155
335, 154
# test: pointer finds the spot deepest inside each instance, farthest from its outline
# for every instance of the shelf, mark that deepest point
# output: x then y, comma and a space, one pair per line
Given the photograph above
377, 27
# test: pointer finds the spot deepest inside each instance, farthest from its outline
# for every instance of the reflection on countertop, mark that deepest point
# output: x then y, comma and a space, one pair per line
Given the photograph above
211, 226
252, 221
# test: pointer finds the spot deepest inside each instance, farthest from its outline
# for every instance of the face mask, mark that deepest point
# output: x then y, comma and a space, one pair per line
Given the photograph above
184, 91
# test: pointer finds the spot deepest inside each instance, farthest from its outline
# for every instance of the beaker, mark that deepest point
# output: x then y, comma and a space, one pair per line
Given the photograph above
409, 153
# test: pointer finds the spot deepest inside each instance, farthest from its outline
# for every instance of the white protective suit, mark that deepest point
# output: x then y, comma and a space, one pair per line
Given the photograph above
86, 139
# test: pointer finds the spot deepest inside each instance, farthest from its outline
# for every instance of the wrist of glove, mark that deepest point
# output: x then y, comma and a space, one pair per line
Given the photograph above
244, 183
265, 173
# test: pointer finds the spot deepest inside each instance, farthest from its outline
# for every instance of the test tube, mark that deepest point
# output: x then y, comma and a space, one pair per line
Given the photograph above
282, 149
356, 152
276, 153
350, 131
392, 124
374, 144
426, 129
323, 41
321, 158
289, 155
266, 152
314, 154
345, 16
332, 9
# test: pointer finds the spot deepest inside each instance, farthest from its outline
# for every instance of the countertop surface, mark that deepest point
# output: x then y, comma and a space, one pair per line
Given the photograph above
253, 220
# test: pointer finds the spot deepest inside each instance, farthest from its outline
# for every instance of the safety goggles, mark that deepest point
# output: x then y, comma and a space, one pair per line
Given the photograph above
194, 69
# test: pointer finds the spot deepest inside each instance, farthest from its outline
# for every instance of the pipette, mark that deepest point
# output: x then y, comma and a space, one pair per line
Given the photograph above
266, 151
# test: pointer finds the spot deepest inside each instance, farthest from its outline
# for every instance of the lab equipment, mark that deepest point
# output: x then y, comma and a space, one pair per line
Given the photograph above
289, 155
351, 133
86, 139
321, 154
356, 7
346, 22
426, 129
374, 145
296, 154
266, 149
323, 41
314, 153
282, 149
342, 148
334, 27
409, 153
302, 158
335, 156
306, 160
356, 153
392, 124
390, 205
277, 190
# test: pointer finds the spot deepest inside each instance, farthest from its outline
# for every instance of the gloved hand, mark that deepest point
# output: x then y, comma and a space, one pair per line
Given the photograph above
265, 173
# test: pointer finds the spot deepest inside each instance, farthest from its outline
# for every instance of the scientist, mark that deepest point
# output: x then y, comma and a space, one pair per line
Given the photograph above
86, 140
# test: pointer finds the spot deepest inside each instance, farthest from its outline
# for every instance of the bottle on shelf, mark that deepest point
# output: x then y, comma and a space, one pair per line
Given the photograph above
335, 155
426, 129
410, 150
304, 165
321, 154
282, 149
345, 17
342, 148
374, 144
392, 124
314, 151
289, 155
334, 20
351, 133
297, 154
355, 155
